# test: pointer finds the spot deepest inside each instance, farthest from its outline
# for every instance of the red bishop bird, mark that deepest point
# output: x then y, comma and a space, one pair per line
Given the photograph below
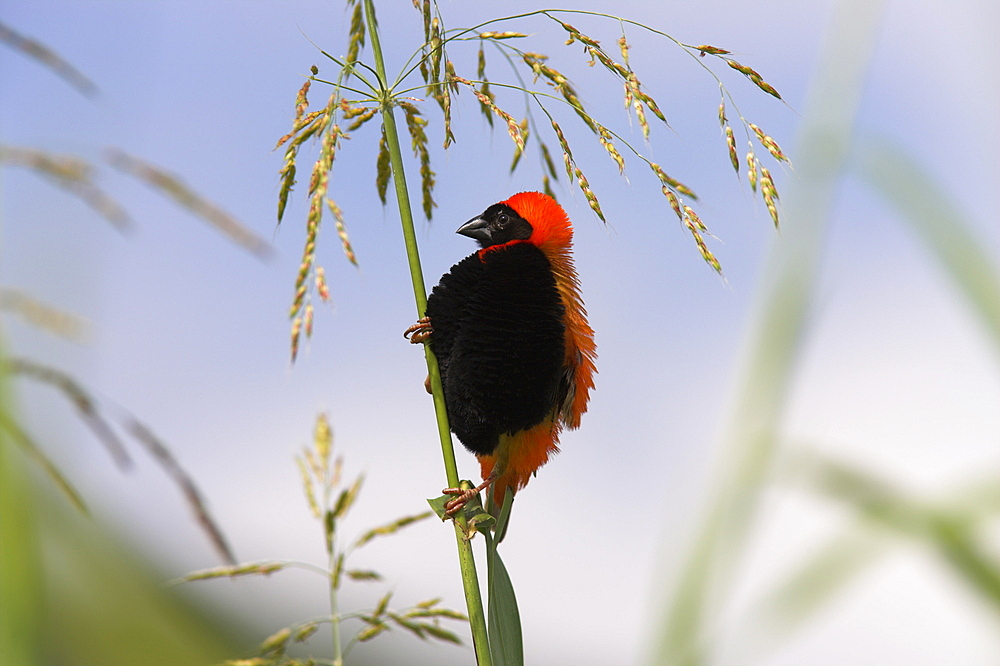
509, 329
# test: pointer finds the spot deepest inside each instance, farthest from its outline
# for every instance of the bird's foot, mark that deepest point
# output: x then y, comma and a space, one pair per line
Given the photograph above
462, 497
419, 332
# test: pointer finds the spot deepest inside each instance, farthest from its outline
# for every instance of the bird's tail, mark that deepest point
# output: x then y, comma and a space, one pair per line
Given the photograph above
519, 456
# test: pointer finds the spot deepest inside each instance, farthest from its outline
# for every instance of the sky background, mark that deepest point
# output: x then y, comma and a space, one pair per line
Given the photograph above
189, 333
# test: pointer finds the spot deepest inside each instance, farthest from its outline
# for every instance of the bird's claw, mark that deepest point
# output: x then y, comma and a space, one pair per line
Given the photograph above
463, 495
462, 498
419, 332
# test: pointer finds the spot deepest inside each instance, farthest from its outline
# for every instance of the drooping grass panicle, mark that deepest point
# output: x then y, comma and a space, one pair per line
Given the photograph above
769, 143
756, 78
72, 174
172, 186
692, 222
672, 183
324, 126
415, 124
575, 173
710, 50
43, 316
484, 86
444, 99
770, 194
731, 143
697, 227
356, 34
382, 171
513, 127
81, 400
518, 151
345, 241
49, 58
634, 94
359, 114
105, 428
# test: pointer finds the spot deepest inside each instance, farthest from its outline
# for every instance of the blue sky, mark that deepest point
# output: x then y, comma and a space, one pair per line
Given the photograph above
189, 333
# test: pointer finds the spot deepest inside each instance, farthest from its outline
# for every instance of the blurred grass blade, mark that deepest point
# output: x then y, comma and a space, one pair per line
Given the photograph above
70, 173
813, 584
10, 431
172, 187
391, 528
49, 58
43, 316
952, 535
958, 545
776, 335
21, 585
168, 463
81, 399
938, 221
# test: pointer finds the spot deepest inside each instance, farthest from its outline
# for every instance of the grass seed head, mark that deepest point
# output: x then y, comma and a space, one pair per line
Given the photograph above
623, 47
383, 169
711, 50
766, 87
345, 241
322, 288
605, 137
501, 35
444, 98
435, 46
323, 438
364, 116
695, 226
752, 170
302, 99
357, 34
769, 143
695, 220
567, 153
731, 143
307, 486
743, 69
576, 35
296, 332
770, 194
588, 193
674, 201
425, 10
307, 320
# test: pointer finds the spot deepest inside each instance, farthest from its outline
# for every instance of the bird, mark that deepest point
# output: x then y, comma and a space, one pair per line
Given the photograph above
515, 350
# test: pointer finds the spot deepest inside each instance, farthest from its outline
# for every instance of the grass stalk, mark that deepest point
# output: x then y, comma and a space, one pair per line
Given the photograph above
470, 580
338, 650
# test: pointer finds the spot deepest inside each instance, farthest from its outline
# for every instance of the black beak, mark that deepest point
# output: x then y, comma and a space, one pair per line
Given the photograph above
477, 228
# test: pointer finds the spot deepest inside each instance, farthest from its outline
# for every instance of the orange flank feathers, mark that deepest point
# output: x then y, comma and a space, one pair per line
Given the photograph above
553, 235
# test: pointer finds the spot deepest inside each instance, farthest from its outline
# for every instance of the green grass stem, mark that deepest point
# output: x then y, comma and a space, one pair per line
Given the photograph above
470, 580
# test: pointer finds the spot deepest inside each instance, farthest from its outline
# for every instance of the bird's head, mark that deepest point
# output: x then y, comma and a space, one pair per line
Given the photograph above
526, 216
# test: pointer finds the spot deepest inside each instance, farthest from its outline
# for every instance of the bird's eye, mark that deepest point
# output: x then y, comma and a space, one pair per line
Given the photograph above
502, 220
